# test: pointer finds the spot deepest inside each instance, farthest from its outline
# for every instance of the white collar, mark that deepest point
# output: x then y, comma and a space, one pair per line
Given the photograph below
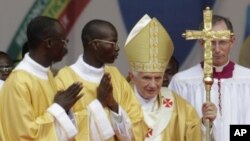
31, 66
86, 71
220, 68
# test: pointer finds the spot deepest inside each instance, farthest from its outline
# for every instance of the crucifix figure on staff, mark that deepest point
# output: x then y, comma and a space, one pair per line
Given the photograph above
207, 35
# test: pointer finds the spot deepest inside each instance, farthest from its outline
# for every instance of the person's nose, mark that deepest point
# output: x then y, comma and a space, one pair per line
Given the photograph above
216, 47
152, 83
117, 48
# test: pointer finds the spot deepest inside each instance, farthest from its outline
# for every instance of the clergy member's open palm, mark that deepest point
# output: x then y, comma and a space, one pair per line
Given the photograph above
67, 98
105, 92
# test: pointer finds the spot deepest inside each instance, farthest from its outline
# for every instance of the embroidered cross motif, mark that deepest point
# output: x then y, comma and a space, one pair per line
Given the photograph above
150, 133
167, 102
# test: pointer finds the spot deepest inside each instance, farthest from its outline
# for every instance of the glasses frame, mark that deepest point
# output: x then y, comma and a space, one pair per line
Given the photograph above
63, 41
116, 44
5, 68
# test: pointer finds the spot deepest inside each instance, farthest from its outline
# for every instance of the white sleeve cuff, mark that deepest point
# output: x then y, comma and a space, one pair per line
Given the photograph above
121, 124
117, 116
101, 119
63, 119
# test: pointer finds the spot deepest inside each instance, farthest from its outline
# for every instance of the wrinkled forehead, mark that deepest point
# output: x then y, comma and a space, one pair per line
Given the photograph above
151, 74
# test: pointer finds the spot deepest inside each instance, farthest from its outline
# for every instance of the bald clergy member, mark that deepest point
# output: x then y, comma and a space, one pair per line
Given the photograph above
109, 107
31, 108
167, 117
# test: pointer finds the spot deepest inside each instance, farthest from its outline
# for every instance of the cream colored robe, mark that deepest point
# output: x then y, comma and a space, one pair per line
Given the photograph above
122, 93
27, 112
173, 120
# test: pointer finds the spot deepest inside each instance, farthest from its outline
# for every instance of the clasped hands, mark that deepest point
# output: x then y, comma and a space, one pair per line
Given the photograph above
105, 93
67, 98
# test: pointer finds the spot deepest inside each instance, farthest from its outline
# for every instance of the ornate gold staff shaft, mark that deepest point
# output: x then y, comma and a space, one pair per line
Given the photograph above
208, 63
208, 80
207, 36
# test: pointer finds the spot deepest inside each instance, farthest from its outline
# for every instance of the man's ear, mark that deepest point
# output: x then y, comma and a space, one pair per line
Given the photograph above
131, 75
94, 45
232, 40
48, 43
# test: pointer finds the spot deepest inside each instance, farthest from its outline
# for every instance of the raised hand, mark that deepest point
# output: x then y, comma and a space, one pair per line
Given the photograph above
67, 98
209, 111
105, 93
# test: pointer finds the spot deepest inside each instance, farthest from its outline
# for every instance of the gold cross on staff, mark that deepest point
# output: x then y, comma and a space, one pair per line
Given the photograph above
208, 36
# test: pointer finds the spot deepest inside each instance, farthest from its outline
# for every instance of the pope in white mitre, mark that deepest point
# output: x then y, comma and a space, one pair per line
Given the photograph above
167, 116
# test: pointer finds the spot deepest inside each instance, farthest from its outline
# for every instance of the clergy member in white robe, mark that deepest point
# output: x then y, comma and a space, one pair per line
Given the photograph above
230, 91
167, 116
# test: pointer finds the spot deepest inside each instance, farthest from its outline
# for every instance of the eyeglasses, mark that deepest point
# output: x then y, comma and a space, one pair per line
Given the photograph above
116, 44
5, 68
63, 41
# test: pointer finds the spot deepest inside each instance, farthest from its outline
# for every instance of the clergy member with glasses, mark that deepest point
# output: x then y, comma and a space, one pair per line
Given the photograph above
6, 65
109, 110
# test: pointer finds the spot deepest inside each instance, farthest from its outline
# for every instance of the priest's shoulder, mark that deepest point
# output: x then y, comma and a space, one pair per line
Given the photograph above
111, 68
241, 71
20, 77
191, 73
64, 71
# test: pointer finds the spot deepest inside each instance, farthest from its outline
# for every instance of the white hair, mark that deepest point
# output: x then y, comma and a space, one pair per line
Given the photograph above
135, 73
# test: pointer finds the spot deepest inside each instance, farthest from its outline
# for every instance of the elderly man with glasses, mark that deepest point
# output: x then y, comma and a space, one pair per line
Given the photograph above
109, 108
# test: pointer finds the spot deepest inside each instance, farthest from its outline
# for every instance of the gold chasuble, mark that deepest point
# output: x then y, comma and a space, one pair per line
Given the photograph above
27, 108
167, 117
122, 93
24, 100
175, 120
